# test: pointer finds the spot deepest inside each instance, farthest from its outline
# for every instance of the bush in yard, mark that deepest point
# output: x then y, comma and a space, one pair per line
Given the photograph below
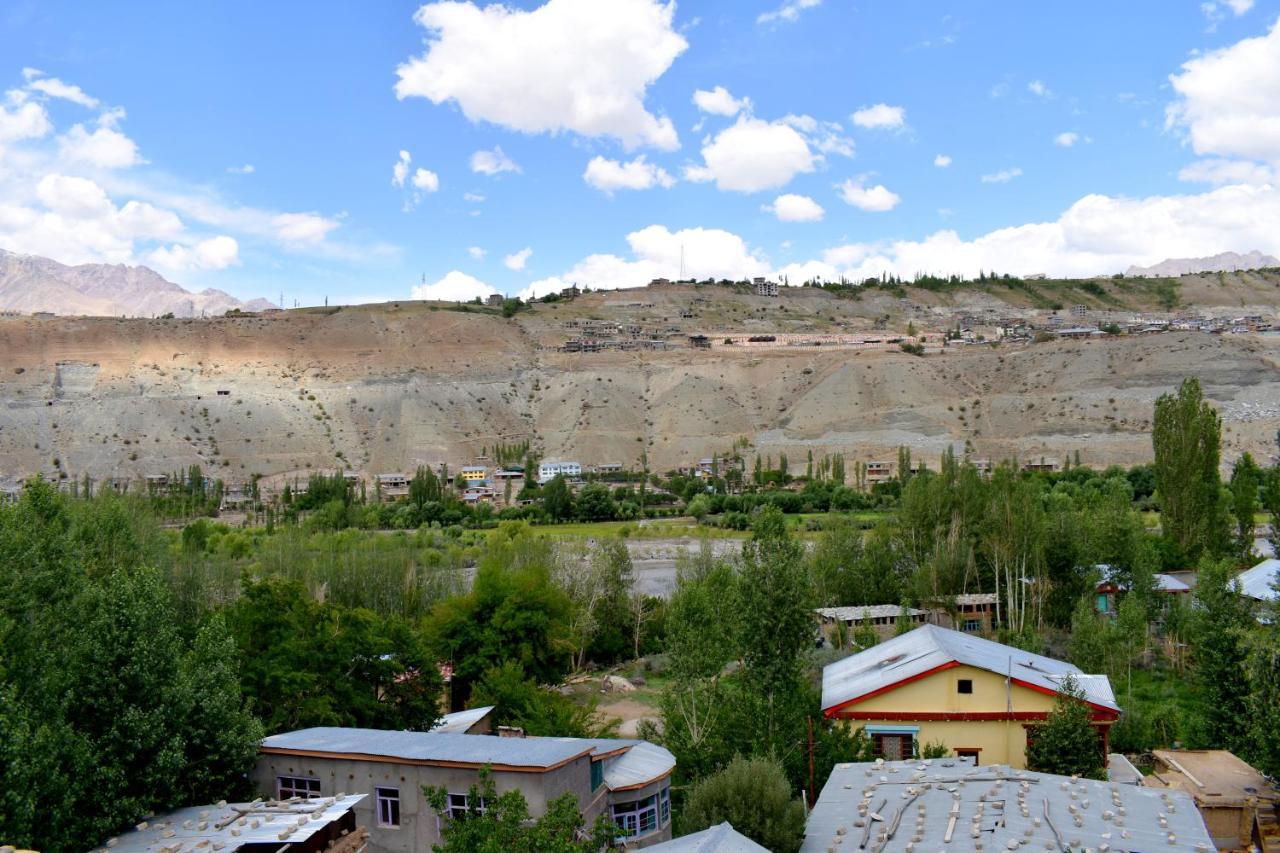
752, 794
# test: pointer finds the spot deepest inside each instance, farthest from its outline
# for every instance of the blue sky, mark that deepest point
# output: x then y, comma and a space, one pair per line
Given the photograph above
844, 140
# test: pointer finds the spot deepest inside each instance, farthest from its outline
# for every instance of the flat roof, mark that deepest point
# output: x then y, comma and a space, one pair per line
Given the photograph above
429, 747
929, 647
231, 826
1214, 777
948, 804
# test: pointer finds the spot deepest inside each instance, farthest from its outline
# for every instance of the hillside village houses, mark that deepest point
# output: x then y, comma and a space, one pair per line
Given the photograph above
978, 698
549, 469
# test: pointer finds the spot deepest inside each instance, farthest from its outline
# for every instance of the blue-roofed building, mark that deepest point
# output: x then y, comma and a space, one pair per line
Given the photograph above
628, 780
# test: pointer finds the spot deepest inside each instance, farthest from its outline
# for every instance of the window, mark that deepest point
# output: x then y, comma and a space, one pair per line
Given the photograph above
460, 806
893, 747
641, 817
388, 804
971, 625
297, 786
597, 774
964, 685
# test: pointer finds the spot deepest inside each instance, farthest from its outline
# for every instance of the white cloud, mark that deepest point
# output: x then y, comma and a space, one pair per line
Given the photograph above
302, 228
426, 180
790, 207
658, 253
215, 253
476, 252
400, 171
1219, 172
753, 155
54, 88
1214, 13
246, 169
880, 117
1229, 100
517, 260
1240, 6
474, 198
825, 136
492, 162
1066, 139
942, 161
1003, 176
638, 174
789, 11
456, 286
105, 148
568, 65
27, 120
1039, 89
719, 102
876, 199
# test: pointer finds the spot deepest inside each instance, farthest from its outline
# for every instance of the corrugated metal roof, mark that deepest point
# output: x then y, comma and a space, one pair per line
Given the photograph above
1258, 581
976, 598
718, 839
929, 646
460, 721
231, 826
869, 611
642, 763
1121, 770
949, 804
1168, 583
433, 746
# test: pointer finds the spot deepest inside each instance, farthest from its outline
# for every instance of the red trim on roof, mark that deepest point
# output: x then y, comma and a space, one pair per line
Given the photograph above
953, 716
833, 710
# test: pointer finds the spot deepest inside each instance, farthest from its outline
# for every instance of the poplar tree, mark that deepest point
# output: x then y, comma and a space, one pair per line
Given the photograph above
1186, 437
1246, 478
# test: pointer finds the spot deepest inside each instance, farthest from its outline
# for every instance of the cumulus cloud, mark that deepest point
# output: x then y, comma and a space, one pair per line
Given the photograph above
517, 260
104, 148
52, 87
1066, 139
476, 252
790, 207
753, 155
455, 286
569, 65
1214, 11
1039, 89
874, 199
1003, 176
1228, 101
493, 162
426, 180
400, 171
789, 11
246, 169
719, 102
638, 174
1217, 172
942, 161
215, 253
880, 117
302, 228
26, 120
824, 136
656, 252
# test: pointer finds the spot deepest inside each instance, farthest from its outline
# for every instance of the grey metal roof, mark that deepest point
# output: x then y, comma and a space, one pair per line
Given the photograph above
1259, 581
929, 646
230, 826
949, 804
870, 611
460, 721
1120, 769
641, 764
433, 746
722, 838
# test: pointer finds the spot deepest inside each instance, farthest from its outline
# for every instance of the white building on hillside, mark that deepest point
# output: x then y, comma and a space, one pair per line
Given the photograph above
549, 469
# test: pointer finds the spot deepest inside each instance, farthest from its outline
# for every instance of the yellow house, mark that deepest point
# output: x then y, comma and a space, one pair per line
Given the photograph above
475, 474
978, 698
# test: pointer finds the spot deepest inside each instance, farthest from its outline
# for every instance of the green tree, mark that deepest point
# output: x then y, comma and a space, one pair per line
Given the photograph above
557, 499
1262, 741
1271, 500
1066, 742
1246, 480
594, 503
754, 796
424, 487
505, 824
540, 711
1219, 624
1186, 436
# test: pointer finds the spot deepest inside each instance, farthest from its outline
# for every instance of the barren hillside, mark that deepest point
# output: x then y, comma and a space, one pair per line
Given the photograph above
385, 388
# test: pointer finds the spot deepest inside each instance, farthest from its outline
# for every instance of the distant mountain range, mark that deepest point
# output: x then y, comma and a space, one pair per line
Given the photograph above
1225, 262
29, 283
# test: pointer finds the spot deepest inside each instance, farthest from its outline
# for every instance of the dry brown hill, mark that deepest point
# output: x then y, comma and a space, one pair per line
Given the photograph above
385, 388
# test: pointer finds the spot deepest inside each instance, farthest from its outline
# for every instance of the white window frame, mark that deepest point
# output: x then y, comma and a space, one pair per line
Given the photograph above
307, 787
632, 817
386, 796
459, 805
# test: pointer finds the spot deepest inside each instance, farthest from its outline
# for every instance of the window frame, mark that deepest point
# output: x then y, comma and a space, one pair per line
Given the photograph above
381, 797
310, 783
964, 686
907, 745
643, 817
458, 806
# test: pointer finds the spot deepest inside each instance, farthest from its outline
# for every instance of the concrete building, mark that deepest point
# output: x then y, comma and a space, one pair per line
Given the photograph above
302, 825
979, 698
549, 469
1237, 803
494, 300
951, 805
764, 287
629, 780
474, 474
883, 618
879, 472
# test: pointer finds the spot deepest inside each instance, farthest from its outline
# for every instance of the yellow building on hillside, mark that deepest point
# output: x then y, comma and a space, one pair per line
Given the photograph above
976, 697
